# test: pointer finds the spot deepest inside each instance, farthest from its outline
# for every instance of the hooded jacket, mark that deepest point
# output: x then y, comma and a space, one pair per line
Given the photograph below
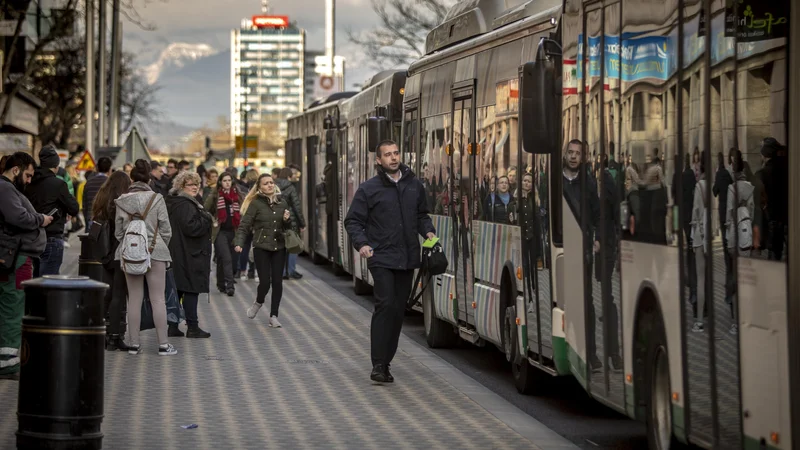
47, 192
390, 217
289, 193
18, 218
135, 201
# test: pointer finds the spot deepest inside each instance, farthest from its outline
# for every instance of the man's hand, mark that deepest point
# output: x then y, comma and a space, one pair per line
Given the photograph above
431, 235
237, 249
365, 252
47, 220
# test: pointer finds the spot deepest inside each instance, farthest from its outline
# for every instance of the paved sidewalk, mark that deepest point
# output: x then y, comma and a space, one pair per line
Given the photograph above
303, 386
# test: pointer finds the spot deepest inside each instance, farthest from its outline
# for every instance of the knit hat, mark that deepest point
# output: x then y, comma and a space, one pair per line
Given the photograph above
770, 147
48, 157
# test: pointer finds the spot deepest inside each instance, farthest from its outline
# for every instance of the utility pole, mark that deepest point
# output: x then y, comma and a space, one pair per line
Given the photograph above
330, 34
244, 108
101, 76
89, 100
116, 55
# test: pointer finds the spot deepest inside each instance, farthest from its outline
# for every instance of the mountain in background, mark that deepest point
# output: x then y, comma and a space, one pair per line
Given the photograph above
175, 57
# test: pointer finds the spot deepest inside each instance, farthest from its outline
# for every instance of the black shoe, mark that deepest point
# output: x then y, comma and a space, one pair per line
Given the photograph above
230, 292
221, 289
389, 377
195, 332
174, 331
115, 343
10, 376
296, 275
378, 374
286, 277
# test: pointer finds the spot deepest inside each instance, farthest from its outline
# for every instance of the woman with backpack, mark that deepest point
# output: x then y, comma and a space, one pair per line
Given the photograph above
104, 212
265, 216
190, 246
741, 209
223, 202
141, 206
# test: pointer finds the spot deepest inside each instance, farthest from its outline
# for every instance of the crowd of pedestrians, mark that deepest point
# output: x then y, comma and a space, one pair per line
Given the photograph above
187, 221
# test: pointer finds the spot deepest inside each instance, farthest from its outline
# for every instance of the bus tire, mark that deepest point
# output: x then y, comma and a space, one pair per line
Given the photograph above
361, 287
438, 333
658, 391
526, 377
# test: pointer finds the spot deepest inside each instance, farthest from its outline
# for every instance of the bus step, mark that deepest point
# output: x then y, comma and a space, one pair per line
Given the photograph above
468, 335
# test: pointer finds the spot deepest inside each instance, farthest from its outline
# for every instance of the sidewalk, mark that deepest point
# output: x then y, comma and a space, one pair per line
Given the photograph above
302, 386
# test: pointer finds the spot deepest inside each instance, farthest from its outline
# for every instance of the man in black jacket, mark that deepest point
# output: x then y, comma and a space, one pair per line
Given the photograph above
388, 213
49, 193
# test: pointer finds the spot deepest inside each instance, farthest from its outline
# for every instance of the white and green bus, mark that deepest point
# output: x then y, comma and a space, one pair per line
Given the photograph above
562, 144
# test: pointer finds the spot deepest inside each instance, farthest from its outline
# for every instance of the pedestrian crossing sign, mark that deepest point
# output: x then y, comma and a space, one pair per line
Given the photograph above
86, 162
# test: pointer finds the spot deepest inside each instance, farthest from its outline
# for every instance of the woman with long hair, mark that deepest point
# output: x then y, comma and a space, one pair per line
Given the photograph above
223, 203
135, 203
266, 216
190, 246
104, 211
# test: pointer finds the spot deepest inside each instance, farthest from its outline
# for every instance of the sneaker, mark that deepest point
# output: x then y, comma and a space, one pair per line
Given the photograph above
253, 310
256, 279
244, 277
698, 327
66, 244
167, 350
195, 332
378, 374
273, 322
134, 349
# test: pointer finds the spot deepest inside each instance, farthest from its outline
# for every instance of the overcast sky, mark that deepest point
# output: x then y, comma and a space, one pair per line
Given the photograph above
210, 22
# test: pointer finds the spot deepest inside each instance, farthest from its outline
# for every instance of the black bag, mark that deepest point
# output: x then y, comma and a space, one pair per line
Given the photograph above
9, 250
434, 262
100, 234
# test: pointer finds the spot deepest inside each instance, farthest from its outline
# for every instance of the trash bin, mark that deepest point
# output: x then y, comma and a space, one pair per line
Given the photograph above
60, 402
89, 264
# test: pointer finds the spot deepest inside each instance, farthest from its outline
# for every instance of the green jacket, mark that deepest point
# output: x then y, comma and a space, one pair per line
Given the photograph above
265, 220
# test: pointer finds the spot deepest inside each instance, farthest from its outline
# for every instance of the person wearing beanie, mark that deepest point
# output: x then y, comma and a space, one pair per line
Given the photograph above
48, 193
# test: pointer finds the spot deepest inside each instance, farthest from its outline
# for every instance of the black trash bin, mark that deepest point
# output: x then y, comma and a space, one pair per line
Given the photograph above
89, 264
60, 402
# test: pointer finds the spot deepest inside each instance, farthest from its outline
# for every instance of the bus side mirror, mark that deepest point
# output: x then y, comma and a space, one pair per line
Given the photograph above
376, 132
329, 137
540, 100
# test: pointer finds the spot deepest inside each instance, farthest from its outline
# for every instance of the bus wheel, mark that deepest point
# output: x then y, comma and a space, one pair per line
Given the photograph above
361, 287
526, 377
510, 345
438, 333
659, 398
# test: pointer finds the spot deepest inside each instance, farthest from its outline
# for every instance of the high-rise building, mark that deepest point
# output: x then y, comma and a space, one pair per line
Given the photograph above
267, 74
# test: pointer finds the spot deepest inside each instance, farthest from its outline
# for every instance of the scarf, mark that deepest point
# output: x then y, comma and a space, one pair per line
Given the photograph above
222, 213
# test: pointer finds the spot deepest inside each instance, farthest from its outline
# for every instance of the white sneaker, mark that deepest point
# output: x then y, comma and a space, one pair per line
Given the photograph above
66, 244
273, 322
256, 280
244, 277
167, 350
253, 310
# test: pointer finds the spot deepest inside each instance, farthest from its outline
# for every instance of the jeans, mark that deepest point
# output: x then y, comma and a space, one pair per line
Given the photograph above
391, 291
291, 264
190, 301
270, 268
115, 297
50, 260
223, 247
156, 281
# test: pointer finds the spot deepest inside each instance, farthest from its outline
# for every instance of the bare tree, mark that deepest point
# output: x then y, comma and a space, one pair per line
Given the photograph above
138, 100
400, 37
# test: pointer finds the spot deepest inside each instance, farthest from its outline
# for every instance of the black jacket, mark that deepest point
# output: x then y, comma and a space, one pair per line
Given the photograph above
160, 186
190, 246
390, 217
722, 180
47, 192
289, 193
572, 193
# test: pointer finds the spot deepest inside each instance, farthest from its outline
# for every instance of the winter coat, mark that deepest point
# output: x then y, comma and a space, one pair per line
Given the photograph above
264, 220
210, 205
135, 202
289, 193
496, 211
191, 243
572, 194
19, 218
47, 192
390, 217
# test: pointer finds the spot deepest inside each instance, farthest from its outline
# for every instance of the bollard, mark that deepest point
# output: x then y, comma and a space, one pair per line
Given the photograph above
89, 264
60, 402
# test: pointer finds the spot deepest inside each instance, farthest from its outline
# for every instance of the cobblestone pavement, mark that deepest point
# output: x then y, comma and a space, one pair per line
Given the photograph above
305, 385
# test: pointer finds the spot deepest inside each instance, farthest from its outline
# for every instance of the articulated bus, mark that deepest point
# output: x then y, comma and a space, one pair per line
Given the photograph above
600, 176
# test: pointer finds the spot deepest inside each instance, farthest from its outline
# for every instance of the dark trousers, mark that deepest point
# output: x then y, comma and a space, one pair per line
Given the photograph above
49, 262
189, 301
244, 258
391, 291
270, 274
116, 297
223, 247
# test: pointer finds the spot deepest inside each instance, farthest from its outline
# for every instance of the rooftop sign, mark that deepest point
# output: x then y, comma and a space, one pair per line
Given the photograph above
270, 21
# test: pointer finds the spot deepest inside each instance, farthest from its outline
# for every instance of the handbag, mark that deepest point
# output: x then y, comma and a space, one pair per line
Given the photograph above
293, 242
434, 262
9, 251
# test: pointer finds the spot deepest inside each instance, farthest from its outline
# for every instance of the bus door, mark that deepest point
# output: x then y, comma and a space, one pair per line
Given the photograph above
462, 196
312, 142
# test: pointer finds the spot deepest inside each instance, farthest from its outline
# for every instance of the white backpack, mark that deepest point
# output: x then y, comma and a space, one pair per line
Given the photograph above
744, 226
136, 250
